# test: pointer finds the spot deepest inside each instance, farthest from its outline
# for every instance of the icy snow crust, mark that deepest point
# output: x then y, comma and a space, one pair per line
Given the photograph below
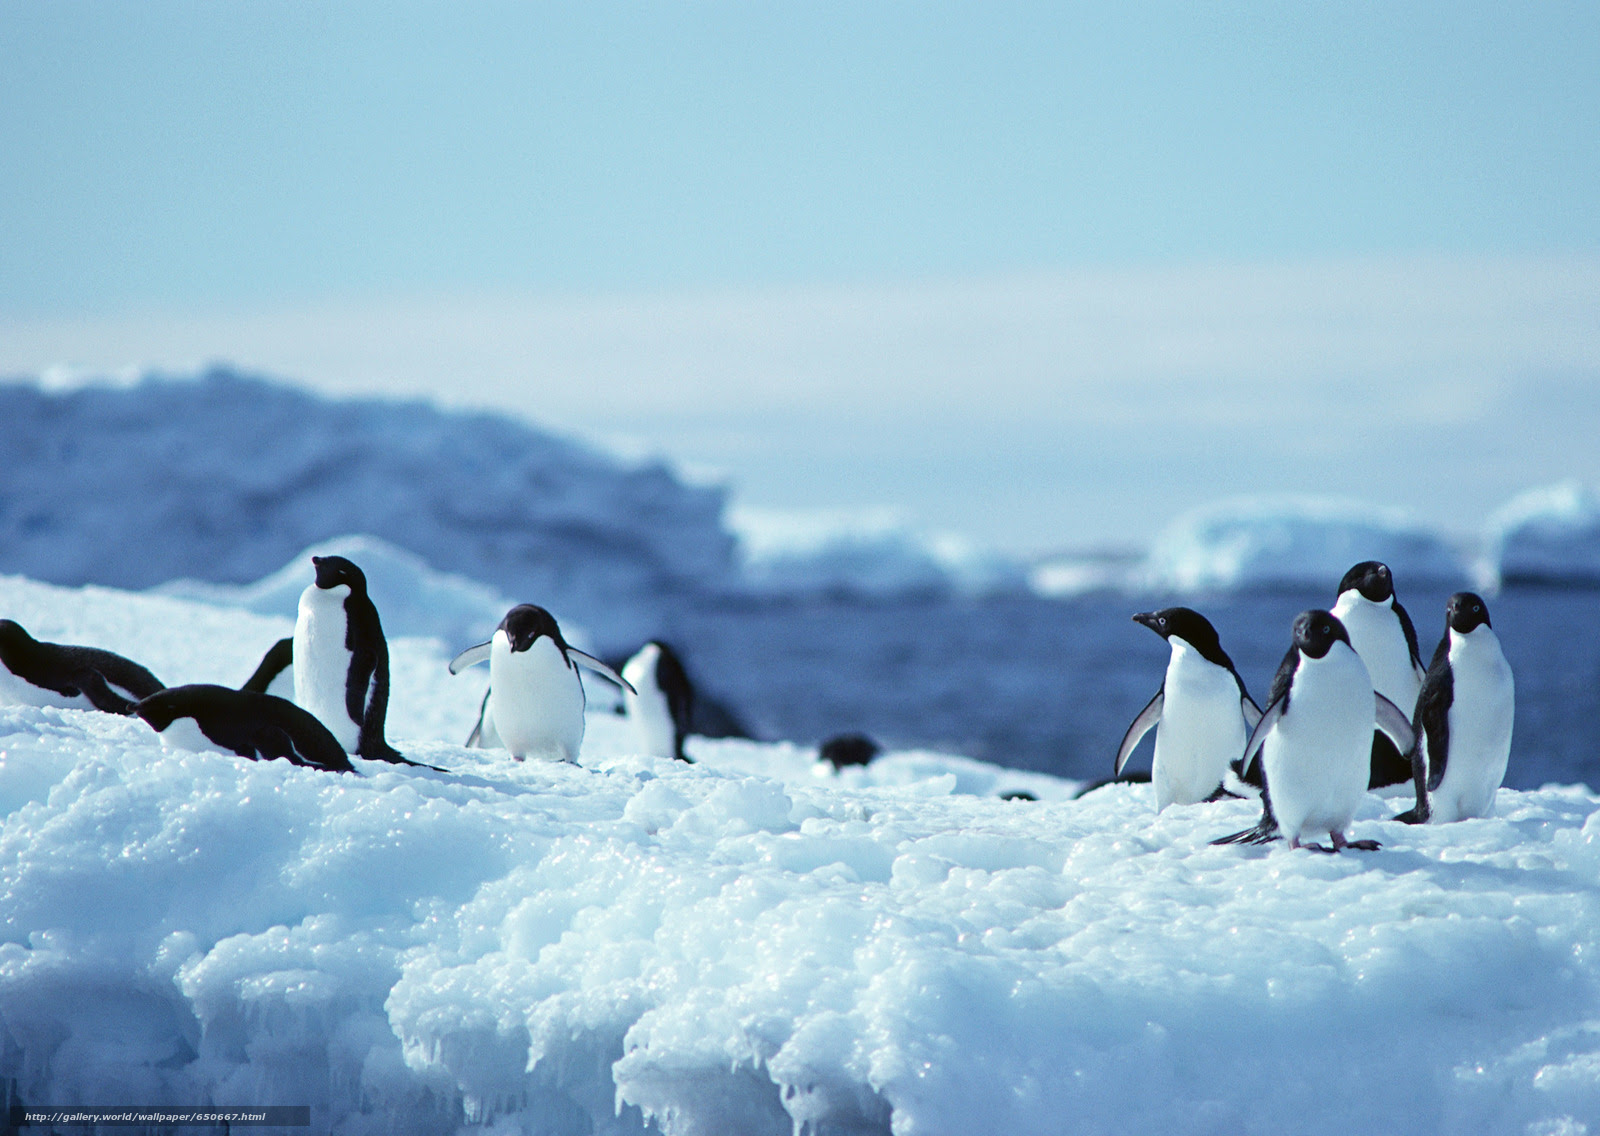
751, 944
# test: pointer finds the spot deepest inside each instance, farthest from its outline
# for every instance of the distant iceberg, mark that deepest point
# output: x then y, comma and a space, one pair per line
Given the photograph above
1549, 535
412, 598
1290, 541
865, 552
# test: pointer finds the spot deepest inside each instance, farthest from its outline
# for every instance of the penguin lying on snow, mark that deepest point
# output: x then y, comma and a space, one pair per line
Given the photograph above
1315, 739
1382, 633
1463, 720
50, 674
1202, 714
662, 708
535, 701
341, 659
252, 725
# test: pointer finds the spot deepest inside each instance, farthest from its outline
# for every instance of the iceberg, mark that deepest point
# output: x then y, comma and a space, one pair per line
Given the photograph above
1291, 541
1549, 535
864, 552
224, 478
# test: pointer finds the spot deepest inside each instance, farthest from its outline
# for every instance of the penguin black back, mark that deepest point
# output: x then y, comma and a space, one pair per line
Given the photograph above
366, 692
70, 671
257, 726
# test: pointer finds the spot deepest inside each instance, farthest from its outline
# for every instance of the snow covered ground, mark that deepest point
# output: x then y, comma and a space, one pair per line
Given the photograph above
753, 943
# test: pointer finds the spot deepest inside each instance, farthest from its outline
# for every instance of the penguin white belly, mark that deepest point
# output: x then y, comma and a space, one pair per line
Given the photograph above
185, 733
322, 662
651, 720
16, 691
1480, 716
1318, 755
1376, 635
536, 700
1201, 729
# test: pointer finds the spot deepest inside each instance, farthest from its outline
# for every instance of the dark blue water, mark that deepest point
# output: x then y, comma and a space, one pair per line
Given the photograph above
1051, 685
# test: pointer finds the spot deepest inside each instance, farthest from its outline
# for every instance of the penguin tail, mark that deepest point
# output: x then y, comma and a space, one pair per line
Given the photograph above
1263, 833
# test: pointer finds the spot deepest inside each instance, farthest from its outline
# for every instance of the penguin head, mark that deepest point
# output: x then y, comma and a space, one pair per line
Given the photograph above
1466, 612
12, 634
1191, 627
1316, 631
526, 624
160, 710
335, 570
1372, 578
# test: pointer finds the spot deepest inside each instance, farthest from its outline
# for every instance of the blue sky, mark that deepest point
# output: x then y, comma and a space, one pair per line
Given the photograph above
169, 166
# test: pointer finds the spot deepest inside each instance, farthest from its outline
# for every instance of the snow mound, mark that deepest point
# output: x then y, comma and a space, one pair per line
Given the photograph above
866, 552
412, 599
718, 947
1545, 536
1278, 541
224, 478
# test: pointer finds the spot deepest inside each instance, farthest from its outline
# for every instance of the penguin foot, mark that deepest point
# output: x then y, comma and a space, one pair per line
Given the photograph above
1223, 793
1340, 843
1411, 816
1295, 843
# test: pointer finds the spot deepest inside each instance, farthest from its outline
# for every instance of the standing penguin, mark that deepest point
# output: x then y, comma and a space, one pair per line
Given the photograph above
661, 710
1463, 719
1315, 739
1383, 635
33, 673
535, 701
341, 659
1202, 713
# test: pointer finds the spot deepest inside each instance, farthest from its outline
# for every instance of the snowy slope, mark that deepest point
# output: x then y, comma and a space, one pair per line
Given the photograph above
750, 944
224, 478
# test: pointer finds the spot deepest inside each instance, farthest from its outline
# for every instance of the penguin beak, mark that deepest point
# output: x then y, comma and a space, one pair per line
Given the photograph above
1148, 618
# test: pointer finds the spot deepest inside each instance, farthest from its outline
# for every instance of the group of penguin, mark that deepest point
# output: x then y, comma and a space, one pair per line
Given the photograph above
332, 680
1334, 724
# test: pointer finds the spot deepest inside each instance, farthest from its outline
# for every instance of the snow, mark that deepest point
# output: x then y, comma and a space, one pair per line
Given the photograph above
752, 943
1546, 535
1279, 540
412, 598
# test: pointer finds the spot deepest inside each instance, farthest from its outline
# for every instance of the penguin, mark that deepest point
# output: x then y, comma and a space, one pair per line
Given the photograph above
848, 749
1202, 714
276, 669
660, 712
1463, 719
253, 725
50, 674
1314, 739
341, 659
1383, 635
535, 701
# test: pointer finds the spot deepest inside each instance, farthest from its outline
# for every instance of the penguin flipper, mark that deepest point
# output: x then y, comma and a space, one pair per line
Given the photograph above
99, 693
471, 657
1258, 735
278, 657
1248, 707
475, 739
1389, 718
599, 668
1142, 724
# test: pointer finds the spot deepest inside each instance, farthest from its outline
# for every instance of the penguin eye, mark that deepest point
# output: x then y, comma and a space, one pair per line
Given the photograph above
1162, 621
